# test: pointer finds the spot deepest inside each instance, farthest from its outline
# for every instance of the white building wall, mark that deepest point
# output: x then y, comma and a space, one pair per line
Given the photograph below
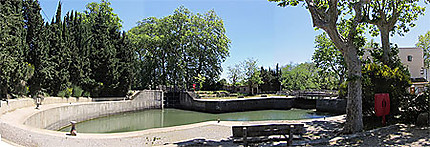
415, 63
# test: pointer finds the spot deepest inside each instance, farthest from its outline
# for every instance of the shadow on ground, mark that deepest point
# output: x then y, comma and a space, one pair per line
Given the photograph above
394, 135
204, 142
317, 131
329, 133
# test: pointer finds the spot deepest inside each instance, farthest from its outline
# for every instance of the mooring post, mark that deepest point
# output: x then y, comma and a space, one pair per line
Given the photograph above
162, 99
73, 131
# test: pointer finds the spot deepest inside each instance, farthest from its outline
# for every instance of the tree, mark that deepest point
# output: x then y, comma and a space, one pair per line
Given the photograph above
38, 51
79, 42
235, 74
424, 43
200, 79
59, 60
300, 76
252, 75
14, 71
329, 59
179, 47
390, 16
341, 21
270, 78
109, 51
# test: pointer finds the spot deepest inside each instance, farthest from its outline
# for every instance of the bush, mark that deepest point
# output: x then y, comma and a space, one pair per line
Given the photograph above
379, 78
65, 93
61, 93
415, 105
77, 91
86, 94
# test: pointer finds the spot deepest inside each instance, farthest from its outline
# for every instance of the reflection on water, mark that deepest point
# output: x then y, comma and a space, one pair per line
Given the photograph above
157, 118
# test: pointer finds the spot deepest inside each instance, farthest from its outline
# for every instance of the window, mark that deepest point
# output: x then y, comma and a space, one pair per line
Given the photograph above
409, 58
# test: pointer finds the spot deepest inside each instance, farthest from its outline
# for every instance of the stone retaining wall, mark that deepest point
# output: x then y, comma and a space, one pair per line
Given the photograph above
14, 104
55, 118
187, 101
234, 105
331, 105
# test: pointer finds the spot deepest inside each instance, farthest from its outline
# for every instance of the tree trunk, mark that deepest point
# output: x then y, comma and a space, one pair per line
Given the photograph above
3, 92
354, 121
385, 39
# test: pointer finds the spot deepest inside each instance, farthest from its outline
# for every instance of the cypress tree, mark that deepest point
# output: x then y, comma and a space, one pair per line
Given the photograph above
14, 71
37, 46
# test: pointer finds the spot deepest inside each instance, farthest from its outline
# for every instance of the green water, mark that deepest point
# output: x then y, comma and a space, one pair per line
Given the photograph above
157, 118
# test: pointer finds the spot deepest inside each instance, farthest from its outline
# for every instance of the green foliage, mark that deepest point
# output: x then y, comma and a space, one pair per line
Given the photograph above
300, 76
252, 75
396, 15
424, 43
82, 49
77, 91
65, 93
414, 105
174, 49
271, 79
235, 74
379, 78
86, 94
13, 66
331, 62
61, 93
200, 79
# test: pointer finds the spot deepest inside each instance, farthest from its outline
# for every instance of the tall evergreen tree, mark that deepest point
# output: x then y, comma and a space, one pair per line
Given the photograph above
79, 43
37, 53
14, 71
104, 50
59, 55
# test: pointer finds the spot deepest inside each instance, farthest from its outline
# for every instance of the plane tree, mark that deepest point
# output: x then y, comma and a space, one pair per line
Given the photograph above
385, 18
340, 20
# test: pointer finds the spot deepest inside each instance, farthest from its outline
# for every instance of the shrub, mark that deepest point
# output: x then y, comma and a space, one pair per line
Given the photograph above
414, 105
86, 94
69, 92
61, 93
65, 93
379, 78
77, 91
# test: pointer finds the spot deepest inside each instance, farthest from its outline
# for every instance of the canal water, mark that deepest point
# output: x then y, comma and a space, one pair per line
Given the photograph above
157, 118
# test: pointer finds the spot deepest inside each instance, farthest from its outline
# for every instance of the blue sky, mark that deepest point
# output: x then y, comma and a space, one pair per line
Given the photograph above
258, 28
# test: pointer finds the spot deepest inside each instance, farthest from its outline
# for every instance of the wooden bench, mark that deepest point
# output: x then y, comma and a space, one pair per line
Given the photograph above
263, 133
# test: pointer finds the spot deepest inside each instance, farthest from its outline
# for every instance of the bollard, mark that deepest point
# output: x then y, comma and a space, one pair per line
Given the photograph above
73, 129
38, 102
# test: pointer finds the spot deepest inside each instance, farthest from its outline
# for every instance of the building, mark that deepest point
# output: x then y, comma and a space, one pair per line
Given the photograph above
413, 59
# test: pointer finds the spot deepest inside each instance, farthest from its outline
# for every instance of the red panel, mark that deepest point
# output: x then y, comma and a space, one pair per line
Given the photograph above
382, 104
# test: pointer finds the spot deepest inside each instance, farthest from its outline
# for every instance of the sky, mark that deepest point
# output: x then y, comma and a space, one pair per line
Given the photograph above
257, 28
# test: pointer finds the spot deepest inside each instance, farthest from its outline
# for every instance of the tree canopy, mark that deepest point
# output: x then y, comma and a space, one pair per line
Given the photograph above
387, 17
175, 49
330, 61
424, 43
78, 54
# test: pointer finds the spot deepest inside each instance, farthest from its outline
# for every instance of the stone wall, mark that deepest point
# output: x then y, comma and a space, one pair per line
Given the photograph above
331, 105
55, 118
14, 104
234, 105
337, 106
